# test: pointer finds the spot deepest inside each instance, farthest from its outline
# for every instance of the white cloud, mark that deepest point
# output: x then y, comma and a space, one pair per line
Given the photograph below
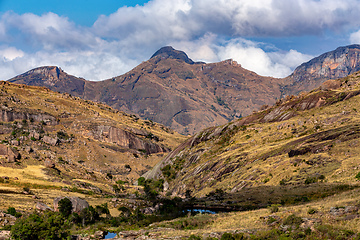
10, 53
355, 37
202, 28
252, 57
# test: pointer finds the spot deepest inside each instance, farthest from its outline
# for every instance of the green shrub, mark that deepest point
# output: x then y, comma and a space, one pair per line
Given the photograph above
168, 172
62, 135
310, 180
194, 237
273, 208
141, 181
312, 211
65, 207
52, 226
227, 236
357, 176
12, 211
293, 220
282, 182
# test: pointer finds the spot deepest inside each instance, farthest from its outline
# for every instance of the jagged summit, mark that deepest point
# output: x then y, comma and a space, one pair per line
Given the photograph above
170, 52
48, 71
52, 77
339, 63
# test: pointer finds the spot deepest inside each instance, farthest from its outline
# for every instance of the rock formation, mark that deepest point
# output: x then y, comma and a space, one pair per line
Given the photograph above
78, 204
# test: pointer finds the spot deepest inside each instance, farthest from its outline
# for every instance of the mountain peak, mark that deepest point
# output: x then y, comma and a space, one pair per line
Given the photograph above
48, 71
170, 52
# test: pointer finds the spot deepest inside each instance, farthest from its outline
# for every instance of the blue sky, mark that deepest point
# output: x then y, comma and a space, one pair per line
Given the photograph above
102, 39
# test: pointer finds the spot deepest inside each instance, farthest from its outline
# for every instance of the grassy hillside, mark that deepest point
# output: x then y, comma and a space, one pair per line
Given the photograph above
299, 143
68, 146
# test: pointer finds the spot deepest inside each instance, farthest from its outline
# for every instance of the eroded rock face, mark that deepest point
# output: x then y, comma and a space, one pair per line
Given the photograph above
331, 65
11, 154
42, 207
50, 140
126, 139
10, 115
77, 203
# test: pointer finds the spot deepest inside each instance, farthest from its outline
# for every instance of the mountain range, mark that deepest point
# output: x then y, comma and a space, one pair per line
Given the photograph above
291, 167
188, 96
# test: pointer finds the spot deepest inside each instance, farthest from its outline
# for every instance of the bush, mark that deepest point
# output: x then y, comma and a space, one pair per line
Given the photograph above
293, 220
65, 207
52, 226
62, 135
310, 180
89, 215
274, 208
227, 236
357, 176
312, 211
141, 181
12, 211
194, 237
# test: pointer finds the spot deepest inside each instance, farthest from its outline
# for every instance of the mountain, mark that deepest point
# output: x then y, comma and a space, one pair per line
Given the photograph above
53, 143
313, 137
171, 89
189, 96
331, 65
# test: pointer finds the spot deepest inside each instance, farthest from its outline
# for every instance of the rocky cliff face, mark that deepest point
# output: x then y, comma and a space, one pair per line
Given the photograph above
331, 65
127, 139
9, 115
53, 78
187, 96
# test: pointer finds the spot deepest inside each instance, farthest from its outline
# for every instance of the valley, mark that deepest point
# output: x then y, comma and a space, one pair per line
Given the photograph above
283, 167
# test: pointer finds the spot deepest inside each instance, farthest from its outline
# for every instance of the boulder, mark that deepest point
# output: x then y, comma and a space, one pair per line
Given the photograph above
28, 149
34, 135
50, 140
98, 235
49, 164
15, 142
43, 207
77, 203
11, 154
4, 235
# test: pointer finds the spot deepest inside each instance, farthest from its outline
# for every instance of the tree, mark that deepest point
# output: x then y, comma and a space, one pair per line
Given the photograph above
65, 207
52, 226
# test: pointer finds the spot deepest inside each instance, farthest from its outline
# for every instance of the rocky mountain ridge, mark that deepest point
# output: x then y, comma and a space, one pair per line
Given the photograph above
188, 96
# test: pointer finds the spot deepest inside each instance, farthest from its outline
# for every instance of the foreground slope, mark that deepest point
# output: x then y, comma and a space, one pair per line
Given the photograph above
53, 140
300, 140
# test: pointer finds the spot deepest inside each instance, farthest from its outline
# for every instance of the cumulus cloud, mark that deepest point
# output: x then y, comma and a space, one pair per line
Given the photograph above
208, 30
355, 37
10, 53
275, 63
48, 31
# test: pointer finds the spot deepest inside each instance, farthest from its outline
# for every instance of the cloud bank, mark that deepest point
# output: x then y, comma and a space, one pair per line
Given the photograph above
208, 30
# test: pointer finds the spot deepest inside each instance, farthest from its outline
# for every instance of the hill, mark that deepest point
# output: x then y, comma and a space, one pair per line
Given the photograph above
55, 143
283, 149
